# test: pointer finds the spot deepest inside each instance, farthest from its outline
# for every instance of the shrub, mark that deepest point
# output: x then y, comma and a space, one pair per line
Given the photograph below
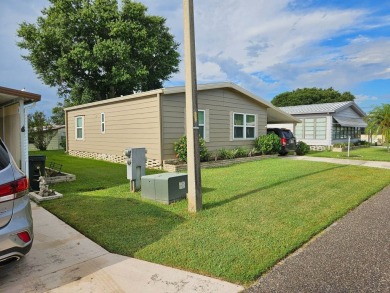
241, 152
224, 154
268, 144
180, 148
340, 145
302, 148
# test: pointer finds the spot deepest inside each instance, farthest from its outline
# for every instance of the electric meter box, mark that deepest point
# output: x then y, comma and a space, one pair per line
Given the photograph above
165, 187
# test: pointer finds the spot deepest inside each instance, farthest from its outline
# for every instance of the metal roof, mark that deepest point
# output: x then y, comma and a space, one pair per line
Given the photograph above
322, 108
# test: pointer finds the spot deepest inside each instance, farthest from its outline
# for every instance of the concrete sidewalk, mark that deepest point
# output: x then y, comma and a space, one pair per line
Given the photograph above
373, 164
352, 255
63, 260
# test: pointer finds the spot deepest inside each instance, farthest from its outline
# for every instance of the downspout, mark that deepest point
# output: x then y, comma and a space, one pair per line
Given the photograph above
161, 129
25, 133
66, 132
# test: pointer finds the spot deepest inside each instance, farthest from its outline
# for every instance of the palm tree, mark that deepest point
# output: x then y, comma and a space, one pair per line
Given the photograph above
378, 122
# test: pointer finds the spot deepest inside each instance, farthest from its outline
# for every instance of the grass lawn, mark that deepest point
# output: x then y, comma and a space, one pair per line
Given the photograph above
366, 154
254, 213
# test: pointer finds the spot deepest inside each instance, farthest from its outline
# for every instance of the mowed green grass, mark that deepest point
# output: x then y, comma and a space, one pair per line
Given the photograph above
366, 154
254, 214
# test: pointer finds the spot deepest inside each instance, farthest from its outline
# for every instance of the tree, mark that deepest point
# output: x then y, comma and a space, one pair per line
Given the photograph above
40, 130
378, 122
92, 50
58, 114
308, 96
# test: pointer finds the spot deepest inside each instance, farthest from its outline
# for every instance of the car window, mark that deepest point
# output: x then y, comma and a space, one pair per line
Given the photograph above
288, 134
4, 157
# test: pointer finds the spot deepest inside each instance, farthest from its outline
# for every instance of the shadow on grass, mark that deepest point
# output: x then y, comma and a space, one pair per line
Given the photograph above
207, 189
120, 225
212, 205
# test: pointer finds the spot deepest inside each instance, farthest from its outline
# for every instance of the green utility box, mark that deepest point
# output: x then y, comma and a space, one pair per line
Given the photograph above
165, 187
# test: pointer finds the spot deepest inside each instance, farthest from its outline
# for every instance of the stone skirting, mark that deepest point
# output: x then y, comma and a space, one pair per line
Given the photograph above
319, 147
175, 166
153, 164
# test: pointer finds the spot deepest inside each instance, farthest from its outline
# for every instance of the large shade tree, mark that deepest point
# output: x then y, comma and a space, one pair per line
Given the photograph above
96, 49
309, 96
378, 122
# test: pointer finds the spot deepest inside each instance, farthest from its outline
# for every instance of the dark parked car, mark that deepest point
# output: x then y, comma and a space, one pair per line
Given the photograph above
16, 224
286, 138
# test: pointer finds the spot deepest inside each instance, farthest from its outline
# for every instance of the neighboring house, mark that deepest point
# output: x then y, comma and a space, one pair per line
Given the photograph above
376, 139
13, 122
229, 117
326, 124
55, 142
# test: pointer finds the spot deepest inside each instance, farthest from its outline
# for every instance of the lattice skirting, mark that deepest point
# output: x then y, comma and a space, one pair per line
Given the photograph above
150, 163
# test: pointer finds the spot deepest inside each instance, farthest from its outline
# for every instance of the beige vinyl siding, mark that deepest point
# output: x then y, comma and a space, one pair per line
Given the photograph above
219, 105
128, 123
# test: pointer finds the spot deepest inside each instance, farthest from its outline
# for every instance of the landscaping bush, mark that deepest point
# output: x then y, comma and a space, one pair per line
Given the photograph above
340, 145
224, 154
241, 152
302, 148
180, 148
268, 144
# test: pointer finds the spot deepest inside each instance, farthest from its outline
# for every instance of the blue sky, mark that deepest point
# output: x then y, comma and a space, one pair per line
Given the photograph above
267, 47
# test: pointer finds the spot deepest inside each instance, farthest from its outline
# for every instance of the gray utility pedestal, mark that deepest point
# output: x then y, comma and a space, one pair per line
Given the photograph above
164, 187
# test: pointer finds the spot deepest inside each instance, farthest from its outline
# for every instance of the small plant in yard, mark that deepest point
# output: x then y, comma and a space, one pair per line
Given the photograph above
268, 144
340, 145
180, 148
302, 148
241, 152
224, 154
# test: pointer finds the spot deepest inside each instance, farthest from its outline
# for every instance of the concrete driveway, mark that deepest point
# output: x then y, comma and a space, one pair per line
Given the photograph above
63, 260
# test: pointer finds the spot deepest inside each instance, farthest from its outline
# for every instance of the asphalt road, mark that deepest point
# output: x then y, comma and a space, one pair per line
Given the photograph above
352, 255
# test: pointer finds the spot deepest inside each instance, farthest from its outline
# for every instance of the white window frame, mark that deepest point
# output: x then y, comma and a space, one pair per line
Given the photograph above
244, 126
204, 123
102, 122
82, 128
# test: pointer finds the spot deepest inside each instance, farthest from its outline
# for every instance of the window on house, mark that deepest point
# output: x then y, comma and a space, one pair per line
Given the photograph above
320, 128
202, 123
79, 127
311, 128
299, 129
102, 123
244, 126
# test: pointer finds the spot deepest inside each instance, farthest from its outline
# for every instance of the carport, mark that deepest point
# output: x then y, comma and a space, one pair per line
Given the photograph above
13, 122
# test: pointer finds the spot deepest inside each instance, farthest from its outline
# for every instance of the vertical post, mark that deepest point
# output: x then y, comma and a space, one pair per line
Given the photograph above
349, 144
23, 138
193, 155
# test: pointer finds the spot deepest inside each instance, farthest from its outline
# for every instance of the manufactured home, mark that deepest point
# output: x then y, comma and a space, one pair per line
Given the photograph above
229, 117
323, 125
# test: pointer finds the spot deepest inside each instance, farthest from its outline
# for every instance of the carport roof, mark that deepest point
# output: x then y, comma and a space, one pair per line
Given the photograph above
8, 95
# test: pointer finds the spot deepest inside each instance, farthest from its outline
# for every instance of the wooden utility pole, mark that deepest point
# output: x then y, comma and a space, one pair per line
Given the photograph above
193, 155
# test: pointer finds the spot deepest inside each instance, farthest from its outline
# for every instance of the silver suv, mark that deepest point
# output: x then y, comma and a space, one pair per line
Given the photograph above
16, 224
